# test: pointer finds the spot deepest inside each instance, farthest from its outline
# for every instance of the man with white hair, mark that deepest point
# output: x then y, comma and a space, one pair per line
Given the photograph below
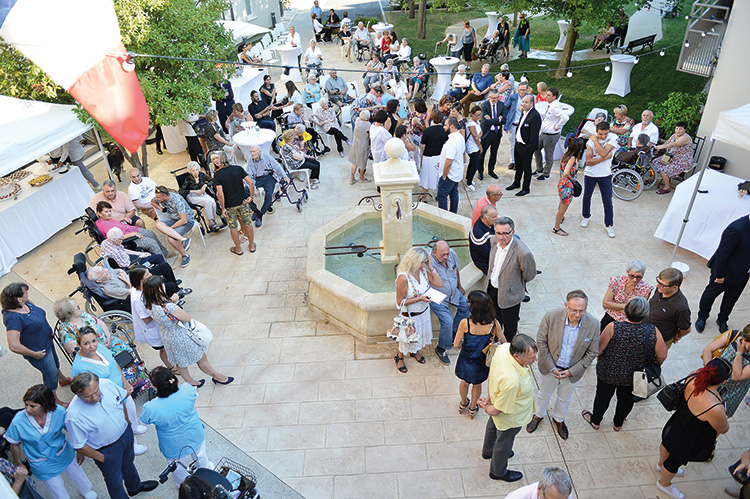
264, 171
645, 126
362, 39
336, 88
553, 484
114, 283
326, 119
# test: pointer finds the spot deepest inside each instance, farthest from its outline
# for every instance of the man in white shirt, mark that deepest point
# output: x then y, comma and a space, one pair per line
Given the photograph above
362, 36
73, 151
452, 166
98, 428
404, 53
599, 151
379, 136
645, 126
553, 484
568, 341
553, 121
141, 191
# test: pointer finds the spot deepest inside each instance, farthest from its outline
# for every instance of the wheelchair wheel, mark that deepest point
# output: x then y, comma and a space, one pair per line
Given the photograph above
627, 184
92, 253
649, 178
120, 324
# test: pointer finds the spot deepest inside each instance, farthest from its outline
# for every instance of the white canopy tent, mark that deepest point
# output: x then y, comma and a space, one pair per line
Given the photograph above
242, 30
732, 127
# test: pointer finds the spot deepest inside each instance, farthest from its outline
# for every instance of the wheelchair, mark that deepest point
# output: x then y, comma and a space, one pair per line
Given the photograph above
91, 253
180, 175
93, 294
629, 180
490, 53
318, 68
360, 49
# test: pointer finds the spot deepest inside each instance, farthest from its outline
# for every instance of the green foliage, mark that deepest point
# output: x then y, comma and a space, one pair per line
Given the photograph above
365, 20
23, 79
678, 106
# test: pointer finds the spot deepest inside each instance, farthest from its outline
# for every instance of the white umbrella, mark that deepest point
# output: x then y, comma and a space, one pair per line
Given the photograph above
242, 30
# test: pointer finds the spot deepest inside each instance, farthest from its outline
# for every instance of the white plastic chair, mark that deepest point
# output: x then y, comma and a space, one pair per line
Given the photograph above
346, 113
266, 40
354, 90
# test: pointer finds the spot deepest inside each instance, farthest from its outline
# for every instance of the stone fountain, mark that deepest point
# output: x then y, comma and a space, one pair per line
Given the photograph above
351, 285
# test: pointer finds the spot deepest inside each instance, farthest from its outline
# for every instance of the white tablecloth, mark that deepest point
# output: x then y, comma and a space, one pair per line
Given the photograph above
248, 138
711, 213
251, 79
39, 212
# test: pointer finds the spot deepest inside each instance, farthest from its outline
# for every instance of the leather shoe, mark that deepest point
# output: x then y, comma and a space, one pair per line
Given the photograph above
512, 187
509, 476
531, 427
492, 174
723, 326
512, 166
562, 430
542, 177
526, 299
700, 325
147, 486
522, 192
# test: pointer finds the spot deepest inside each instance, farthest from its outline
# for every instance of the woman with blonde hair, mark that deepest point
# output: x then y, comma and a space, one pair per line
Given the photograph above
296, 159
415, 275
621, 125
72, 318
541, 92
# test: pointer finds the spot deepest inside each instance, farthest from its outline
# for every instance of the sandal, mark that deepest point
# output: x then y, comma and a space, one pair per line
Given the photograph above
234, 250
175, 371
68, 380
403, 368
255, 247
664, 191
420, 359
586, 415
473, 411
462, 406
560, 231
352, 181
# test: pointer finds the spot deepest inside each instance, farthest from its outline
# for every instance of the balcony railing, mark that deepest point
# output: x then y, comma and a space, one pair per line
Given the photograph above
703, 37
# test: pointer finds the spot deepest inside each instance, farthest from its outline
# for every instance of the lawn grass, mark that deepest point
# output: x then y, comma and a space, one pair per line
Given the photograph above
437, 22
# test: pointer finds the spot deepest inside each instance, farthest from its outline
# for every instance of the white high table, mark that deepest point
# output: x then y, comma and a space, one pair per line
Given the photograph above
619, 83
262, 137
39, 212
250, 79
381, 27
711, 213
564, 26
492, 25
289, 55
444, 67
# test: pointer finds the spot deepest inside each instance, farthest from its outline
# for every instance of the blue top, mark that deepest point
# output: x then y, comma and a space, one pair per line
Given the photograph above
449, 274
177, 423
97, 424
482, 82
47, 448
317, 11
315, 89
36, 333
385, 98
105, 366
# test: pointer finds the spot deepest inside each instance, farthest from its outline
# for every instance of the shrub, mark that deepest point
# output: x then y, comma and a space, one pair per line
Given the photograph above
365, 20
678, 106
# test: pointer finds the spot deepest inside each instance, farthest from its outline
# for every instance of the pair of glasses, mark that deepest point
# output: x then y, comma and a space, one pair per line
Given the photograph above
635, 276
504, 233
661, 284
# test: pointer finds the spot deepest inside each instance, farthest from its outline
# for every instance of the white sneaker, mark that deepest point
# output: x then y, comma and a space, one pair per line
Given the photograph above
90, 495
611, 231
671, 491
585, 222
139, 449
140, 429
680, 471
471, 187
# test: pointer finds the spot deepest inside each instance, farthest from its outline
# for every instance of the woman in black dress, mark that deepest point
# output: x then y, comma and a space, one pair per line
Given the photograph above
476, 332
691, 432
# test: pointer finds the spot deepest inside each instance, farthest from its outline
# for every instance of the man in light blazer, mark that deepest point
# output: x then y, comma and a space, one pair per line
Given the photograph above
568, 340
511, 266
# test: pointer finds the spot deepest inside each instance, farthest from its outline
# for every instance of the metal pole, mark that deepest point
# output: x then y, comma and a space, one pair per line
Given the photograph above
685, 220
104, 153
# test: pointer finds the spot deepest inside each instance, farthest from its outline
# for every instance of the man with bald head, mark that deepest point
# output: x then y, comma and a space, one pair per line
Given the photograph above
445, 263
479, 239
491, 197
527, 141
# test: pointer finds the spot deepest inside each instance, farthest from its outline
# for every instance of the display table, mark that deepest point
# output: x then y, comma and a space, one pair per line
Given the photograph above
564, 27
262, 137
251, 79
444, 67
288, 56
381, 27
711, 212
39, 212
492, 23
619, 83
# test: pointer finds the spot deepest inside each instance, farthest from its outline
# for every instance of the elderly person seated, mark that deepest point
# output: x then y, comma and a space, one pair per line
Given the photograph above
589, 128
673, 156
373, 67
621, 289
639, 154
116, 283
362, 37
197, 188
297, 117
603, 36
487, 43
326, 119
311, 91
144, 240
72, 318
460, 83
112, 248
297, 159
336, 89
265, 172
389, 72
403, 55
418, 77
123, 208
313, 57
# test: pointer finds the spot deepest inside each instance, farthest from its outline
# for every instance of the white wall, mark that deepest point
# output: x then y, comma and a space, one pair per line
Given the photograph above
728, 88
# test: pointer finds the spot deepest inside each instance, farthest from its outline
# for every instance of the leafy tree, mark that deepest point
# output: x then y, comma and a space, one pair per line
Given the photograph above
25, 80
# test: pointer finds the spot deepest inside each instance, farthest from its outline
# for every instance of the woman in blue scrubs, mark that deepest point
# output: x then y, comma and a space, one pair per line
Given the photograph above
38, 429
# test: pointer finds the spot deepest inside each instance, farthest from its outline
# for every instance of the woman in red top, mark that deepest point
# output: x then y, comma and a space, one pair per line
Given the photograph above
385, 43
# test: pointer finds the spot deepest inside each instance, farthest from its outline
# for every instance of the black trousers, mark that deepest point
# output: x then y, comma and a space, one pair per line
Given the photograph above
314, 166
339, 136
267, 183
473, 168
490, 142
522, 158
507, 317
604, 393
196, 151
160, 139
732, 292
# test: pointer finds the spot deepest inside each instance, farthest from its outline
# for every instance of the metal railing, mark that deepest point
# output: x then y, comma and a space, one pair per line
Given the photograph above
701, 45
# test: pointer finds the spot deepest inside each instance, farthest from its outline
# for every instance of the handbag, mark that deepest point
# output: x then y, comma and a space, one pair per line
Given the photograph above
648, 380
665, 158
671, 395
474, 55
199, 333
577, 188
402, 330
491, 347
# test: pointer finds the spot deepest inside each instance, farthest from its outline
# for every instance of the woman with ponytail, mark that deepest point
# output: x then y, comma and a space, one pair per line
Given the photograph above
691, 432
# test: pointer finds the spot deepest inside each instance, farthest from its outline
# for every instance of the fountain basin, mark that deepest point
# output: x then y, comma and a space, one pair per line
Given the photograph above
341, 292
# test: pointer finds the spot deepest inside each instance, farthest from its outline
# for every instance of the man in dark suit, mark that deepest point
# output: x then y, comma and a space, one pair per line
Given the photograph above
224, 105
511, 266
527, 141
493, 117
729, 266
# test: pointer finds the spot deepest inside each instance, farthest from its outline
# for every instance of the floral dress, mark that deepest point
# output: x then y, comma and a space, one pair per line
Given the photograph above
565, 185
68, 333
731, 391
622, 140
617, 286
420, 312
181, 350
682, 159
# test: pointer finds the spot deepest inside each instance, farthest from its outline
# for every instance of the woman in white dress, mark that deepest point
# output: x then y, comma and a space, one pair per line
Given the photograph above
415, 275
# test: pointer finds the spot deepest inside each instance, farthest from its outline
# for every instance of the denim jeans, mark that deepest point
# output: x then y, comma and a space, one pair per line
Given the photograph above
448, 324
605, 188
447, 189
48, 366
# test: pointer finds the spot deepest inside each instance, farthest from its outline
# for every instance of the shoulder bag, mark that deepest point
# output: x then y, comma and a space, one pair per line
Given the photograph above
648, 380
577, 188
734, 334
491, 347
195, 330
402, 330
671, 395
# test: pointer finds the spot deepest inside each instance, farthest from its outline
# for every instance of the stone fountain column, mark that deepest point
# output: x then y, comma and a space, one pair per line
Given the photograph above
396, 179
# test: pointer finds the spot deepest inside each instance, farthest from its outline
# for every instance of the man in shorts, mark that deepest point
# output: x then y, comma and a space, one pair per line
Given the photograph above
232, 195
181, 218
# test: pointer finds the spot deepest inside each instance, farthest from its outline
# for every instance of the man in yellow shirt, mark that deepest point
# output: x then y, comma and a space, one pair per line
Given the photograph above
510, 403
